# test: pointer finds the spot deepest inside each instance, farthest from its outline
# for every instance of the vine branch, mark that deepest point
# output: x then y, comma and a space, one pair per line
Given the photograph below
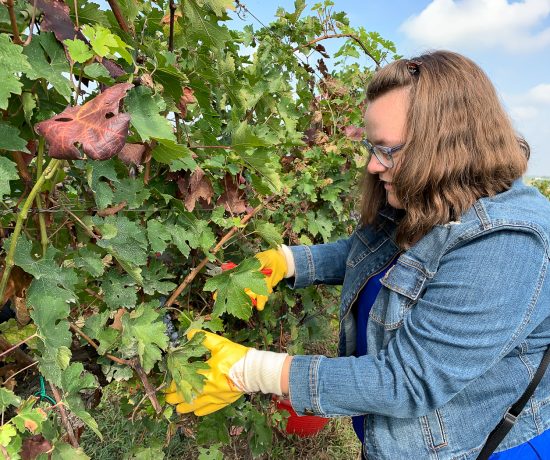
15, 30
64, 418
353, 37
22, 216
115, 7
191, 276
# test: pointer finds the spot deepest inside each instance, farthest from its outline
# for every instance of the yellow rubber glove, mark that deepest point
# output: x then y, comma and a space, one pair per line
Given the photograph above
219, 390
274, 260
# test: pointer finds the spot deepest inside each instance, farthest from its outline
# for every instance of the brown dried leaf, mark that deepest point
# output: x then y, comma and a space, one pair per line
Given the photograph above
117, 320
197, 188
56, 19
132, 154
97, 126
166, 18
188, 97
34, 446
232, 199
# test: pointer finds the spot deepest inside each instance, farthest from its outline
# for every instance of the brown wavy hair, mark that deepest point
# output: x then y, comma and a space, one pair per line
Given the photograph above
460, 144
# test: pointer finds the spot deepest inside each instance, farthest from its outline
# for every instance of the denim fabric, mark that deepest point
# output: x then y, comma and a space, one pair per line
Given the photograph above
454, 336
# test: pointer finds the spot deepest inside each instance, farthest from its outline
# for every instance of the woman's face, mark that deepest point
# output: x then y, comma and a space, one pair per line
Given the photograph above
385, 120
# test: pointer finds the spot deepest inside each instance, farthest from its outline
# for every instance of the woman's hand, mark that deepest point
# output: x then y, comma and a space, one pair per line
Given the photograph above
272, 260
234, 370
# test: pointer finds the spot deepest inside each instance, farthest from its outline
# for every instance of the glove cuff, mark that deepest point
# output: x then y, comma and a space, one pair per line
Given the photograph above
259, 371
289, 258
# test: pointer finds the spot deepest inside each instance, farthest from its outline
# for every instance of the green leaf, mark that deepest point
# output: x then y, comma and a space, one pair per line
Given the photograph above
202, 28
142, 330
145, 453
196, 232
266, 166
74, 379
213, 452
78, 50
29, 417
125, 239
98, 72
132, 191
8, 398
89, 261
104, 43
45, 268
89, 13
319, 224
169, 151
96, 328
14, 333
219, 7
155, 278
13, 62
184, 373
10, 140
159, 237
50, 310
63, 451
230, 286
146, 119
8, 172
7, 432
47, 59
119, 291
269, 233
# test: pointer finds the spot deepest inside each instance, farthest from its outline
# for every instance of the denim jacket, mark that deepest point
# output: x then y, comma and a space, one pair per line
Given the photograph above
454, 336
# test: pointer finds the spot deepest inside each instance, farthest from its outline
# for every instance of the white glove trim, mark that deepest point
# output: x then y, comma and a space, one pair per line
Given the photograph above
289, 258
259, 371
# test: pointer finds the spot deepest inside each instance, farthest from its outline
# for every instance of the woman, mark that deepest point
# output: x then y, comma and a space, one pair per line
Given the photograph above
445, 302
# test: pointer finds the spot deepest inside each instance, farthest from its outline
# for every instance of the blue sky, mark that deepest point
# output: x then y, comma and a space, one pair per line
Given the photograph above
510, 40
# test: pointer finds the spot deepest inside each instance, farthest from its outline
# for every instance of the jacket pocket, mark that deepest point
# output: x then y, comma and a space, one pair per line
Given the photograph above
404, 283
433, 430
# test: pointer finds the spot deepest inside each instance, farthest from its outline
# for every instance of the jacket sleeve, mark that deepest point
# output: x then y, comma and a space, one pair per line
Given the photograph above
319, 264
485, 298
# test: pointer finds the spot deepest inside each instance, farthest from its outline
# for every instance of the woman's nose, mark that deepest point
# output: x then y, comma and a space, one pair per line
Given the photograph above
374, 166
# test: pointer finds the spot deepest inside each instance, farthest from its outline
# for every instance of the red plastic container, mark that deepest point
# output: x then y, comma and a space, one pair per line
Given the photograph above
301, 425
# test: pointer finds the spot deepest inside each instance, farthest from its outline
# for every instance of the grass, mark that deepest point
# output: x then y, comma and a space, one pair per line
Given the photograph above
336, 441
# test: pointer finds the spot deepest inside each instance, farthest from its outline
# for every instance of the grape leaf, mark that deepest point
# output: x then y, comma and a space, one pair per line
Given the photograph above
73, 380
132, 191
155, 279
47, 59
13, 61
8, 172
158, 235
8, 398
125, 239
28, 417
50, 309
269, 233
201, 27
232, 197
183, 372
119, 291
97, 126
90, 262
230, 286
146, 119
142, 329
168, 152
10, 140
64, 451
45, 268
78, 50
96, 328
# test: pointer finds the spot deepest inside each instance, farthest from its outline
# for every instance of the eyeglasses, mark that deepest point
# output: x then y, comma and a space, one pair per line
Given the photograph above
383, 154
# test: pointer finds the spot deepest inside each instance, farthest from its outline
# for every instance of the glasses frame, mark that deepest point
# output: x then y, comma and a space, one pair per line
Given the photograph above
383, 154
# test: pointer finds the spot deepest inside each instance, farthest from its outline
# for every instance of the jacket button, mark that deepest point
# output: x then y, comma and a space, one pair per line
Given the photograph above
309, 412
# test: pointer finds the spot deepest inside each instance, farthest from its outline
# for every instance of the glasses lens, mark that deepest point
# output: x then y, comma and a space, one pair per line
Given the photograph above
383, 157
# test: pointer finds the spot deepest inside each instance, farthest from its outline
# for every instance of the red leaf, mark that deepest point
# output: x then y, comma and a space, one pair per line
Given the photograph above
354, 133
34, 446
132, 154
232, 198
187, 98
96, 126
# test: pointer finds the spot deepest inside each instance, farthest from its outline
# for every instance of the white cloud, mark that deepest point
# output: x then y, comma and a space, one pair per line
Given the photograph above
523, 112
540, 94
475, 24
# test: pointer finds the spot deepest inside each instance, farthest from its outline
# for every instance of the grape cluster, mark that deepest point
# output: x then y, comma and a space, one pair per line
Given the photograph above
171, 330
